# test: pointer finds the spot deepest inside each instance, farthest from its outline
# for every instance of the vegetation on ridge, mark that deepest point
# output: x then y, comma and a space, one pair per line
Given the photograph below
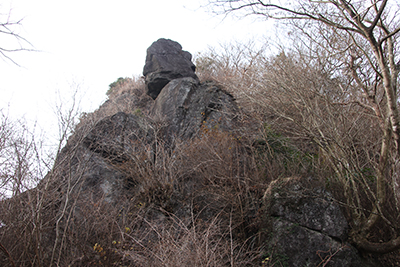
309, 113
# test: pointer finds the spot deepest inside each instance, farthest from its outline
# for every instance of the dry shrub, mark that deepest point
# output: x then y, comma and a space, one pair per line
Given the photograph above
221, 176
209, 215
127, 96
124, 85
198, 204
318, 114
236, 67
145, 235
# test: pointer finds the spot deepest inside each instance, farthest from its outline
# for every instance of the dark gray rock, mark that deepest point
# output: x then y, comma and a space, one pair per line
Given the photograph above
112, 136
95, 154
101, 180
297, 246
188, 106
313, 209
166, 61
91, 156
307, 228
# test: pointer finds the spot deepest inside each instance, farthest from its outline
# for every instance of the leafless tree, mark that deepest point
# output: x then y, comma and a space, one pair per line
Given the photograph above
357, 39
27, 178
19, 147
12, 40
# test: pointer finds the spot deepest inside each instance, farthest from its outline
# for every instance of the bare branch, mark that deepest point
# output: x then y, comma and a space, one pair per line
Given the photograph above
378, 15
389, 35
8, 28
341, 33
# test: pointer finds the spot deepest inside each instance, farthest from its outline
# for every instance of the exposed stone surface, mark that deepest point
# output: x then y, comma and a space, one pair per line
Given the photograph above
183, 107
313, 209
186, 106
166, 61
307, 227
298, 246
112, 136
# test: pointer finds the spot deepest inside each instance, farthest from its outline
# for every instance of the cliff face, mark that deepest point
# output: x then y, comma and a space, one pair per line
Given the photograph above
180, 186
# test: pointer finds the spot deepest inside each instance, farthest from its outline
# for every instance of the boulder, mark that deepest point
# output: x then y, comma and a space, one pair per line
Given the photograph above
96, 152
313, 209
112, 136
184, 107
295, 245
166, 61
307, 228
188, 106
92, 157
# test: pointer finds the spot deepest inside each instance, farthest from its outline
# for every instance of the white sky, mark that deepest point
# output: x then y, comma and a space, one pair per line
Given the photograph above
92, 43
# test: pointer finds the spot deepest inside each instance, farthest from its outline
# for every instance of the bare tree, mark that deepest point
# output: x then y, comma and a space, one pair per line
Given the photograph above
28, 173
357, 39
19, 165
12, 40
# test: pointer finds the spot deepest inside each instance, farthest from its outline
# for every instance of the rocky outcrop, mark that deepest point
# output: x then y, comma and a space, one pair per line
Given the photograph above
166, 61
182, 110
307, 228
126, 162
313, 209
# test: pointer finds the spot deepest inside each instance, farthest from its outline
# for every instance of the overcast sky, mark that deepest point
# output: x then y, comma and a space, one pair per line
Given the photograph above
90, 44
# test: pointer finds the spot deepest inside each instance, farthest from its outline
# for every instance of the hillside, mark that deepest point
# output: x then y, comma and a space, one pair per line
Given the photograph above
207, 164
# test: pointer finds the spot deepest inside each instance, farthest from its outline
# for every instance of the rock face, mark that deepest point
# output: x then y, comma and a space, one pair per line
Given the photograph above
307, 227
313, 209
166, 61
111, 136
186, 106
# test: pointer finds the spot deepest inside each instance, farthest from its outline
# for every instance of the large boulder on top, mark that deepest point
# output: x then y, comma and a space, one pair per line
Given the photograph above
166, 61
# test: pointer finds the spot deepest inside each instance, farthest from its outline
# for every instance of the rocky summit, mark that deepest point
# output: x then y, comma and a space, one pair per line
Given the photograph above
175, 180
166, 61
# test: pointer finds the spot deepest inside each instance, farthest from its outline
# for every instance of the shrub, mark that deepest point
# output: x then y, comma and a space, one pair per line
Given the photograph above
112, 85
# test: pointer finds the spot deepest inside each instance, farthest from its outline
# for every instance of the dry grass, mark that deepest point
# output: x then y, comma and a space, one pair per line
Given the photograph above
198, 203
319, 115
